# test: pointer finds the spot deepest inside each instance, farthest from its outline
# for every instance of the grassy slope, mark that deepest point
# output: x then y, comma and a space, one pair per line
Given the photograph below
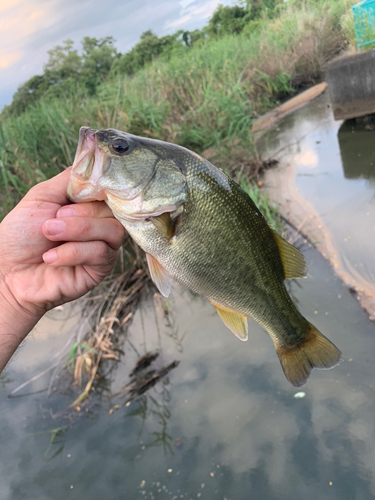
203, 97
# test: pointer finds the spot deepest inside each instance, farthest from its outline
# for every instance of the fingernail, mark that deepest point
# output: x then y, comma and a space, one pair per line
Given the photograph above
55, 226
50, 256
66, 212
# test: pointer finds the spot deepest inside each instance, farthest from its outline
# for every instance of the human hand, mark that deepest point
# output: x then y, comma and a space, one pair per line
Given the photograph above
50, 255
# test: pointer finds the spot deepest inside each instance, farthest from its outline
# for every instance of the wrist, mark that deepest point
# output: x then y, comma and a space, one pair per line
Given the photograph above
15, 323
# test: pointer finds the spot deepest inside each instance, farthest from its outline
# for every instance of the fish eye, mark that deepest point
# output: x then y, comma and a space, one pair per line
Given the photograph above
120, 146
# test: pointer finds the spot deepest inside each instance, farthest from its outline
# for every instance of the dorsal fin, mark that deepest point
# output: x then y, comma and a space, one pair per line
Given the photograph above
164, 224
159, 275
293, 261
236, 322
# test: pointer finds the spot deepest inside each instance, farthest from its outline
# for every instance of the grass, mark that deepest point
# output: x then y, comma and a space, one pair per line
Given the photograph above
205, 97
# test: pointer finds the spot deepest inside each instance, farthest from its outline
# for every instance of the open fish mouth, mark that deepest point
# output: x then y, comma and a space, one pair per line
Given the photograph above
87, 169
91, 177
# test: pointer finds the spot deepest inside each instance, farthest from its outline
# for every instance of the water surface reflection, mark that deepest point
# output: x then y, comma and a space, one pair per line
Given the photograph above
224, 424
331, 166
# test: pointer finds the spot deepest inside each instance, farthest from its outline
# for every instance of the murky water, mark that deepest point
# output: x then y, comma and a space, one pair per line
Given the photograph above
224, 424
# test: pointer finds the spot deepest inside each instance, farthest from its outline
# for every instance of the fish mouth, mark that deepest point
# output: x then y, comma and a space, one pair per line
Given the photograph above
87, 169
89, 175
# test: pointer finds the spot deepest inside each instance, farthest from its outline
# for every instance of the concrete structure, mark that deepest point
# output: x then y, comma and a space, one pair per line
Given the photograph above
351, 84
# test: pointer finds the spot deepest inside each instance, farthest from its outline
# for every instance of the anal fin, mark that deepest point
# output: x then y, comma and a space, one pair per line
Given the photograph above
236, 322
161, 278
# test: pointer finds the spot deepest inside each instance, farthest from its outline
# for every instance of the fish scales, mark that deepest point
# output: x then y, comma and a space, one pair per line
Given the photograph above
217, 214
221, 247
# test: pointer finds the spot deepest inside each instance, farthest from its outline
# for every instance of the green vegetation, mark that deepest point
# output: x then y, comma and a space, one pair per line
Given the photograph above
201, 89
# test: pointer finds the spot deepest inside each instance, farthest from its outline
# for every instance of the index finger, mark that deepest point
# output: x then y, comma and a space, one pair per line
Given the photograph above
91, 209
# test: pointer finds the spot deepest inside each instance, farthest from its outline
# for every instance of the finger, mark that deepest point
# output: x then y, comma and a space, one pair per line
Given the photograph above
85, 229
53, 190
90, 209
90, 253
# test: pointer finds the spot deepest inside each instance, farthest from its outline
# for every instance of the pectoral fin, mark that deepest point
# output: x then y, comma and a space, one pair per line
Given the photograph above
159, 275
236, 322
164, 224
293, 261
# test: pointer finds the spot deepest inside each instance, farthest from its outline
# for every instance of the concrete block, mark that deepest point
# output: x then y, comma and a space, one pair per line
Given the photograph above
351, 84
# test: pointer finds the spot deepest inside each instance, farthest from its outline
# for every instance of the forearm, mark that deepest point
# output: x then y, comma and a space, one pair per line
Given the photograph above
15, 324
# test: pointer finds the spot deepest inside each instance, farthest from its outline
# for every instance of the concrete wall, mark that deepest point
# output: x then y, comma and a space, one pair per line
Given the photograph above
351, 84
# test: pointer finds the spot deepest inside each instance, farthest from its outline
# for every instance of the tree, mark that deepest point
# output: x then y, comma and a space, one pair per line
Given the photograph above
98, 57
228, 20
63, 62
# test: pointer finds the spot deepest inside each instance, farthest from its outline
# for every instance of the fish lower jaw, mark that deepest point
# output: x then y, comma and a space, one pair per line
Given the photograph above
139, 217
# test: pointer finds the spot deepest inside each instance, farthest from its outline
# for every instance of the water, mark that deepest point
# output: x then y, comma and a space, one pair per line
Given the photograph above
329, 170
224, 424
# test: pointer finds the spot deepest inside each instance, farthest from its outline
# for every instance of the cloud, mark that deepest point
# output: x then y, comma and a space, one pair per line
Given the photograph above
29, 28
7, 60
194, 11
178, 22
8, 4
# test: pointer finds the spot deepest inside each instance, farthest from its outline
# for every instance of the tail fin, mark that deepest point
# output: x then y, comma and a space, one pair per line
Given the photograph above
315, 352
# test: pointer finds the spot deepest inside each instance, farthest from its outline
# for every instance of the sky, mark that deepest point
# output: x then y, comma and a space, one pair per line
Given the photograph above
29, 28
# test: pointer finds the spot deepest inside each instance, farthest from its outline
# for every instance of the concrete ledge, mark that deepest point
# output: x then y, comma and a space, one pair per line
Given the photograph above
351, 83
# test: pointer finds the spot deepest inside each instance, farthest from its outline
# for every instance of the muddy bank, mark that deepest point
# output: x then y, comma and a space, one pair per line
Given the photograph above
324, 187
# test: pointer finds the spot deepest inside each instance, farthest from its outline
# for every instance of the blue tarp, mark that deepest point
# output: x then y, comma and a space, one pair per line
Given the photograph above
364, 23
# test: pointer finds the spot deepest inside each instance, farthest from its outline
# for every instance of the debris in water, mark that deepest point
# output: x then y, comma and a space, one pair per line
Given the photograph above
141, 382
299, 395
144, 362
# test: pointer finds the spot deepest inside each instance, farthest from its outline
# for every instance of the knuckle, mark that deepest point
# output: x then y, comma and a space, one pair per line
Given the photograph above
119, 233
107, 255
102, 249
111, 258
85, 226
97, 208
74, 251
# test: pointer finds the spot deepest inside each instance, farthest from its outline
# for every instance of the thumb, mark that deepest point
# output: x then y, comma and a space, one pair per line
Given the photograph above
53, 190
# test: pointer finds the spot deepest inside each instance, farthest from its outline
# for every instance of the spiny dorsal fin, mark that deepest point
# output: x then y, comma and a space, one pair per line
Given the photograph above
294, 263
236, 322
164, 224
316, 351
159, 275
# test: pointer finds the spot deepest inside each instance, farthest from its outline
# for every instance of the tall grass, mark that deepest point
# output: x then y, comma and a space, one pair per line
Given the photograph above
204, 97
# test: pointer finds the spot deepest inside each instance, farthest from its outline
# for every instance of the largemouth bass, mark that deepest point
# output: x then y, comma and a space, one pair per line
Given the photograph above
198, 227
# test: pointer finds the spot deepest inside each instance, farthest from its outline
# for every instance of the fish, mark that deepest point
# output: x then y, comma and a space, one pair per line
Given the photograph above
199, 228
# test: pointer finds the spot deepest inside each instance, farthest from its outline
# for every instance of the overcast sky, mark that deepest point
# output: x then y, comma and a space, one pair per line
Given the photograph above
28, 28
